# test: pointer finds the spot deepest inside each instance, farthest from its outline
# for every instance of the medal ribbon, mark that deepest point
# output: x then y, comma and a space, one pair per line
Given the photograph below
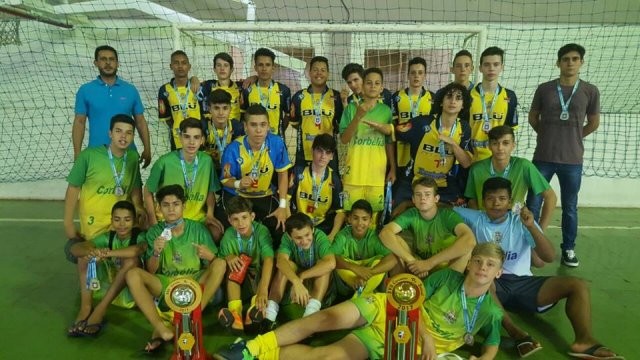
171, 226
565, 106
317, 105
485, 113
315, 187
183, 101
441, 146
117, 177
249, 243
92, 272
189, 182
505, 173
265, 101
256, 163
415, 106
468, 325
311, 261
221, 142
388, 201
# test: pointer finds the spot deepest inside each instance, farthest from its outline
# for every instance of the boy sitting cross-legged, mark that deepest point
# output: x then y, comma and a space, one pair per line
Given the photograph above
250, 241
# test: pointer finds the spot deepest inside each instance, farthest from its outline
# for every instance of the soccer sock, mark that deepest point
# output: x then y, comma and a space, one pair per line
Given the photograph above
236, 306
312, 307
262, 344
272, 310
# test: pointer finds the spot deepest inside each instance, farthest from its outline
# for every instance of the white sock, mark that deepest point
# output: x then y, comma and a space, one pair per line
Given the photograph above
312, 307
272, 310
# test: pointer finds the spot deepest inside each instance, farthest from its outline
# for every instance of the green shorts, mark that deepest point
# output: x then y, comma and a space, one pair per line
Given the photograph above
373, 309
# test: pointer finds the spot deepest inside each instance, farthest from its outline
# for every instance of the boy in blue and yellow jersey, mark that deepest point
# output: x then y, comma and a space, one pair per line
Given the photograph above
437, 142
103, 98
408, 103
100, 177
440, 237
116, 251
315, 110
272, 95
304, 262
251, 238
353, 75
175, 247
192, 169
367, 128
249, 164
176, 99
315, 188
443, 327
223, 68
222, 128
491, 103
362, 261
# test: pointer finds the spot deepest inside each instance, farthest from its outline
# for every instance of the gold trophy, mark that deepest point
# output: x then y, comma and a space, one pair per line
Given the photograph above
405, 295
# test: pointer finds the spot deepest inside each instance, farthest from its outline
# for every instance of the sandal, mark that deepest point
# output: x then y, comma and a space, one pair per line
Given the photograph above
527, 346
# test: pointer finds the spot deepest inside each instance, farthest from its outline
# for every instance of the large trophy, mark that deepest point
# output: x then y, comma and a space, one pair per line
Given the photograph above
183, 295
405, 295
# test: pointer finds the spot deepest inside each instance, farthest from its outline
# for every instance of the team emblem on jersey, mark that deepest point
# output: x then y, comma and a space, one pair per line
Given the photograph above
450, 317
427, 128
497, 237
240, 161
301, 96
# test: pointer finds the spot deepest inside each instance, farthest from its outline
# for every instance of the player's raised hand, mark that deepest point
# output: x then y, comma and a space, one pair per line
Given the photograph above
204, 252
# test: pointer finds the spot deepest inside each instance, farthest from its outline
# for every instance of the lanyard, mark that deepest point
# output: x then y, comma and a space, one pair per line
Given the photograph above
117, 177
441, 145
388, 201
317, 106
249, 243
316, 187
311, 261
565, 106
221, 142
265, 101
189, 182
468, 325
415, 106
256, 163
92, 281
166, 233
183, 101
505, 174
485, 114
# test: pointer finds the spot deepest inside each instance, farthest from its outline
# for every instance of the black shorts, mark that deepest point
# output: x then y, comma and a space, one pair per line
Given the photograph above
520, 293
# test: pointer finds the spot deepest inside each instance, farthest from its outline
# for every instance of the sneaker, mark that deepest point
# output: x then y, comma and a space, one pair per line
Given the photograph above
254, 316
230, 320
569, 258
236, 351
267, 325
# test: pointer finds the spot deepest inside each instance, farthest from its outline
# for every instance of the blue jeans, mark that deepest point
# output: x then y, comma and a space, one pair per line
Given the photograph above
570, 178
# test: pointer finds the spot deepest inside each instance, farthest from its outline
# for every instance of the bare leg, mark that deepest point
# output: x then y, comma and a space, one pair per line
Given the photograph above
144, 286
320, 286
278, 287
119, 282
211, 279
86, 296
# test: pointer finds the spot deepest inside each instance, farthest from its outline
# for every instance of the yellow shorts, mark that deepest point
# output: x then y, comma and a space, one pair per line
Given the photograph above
373, 194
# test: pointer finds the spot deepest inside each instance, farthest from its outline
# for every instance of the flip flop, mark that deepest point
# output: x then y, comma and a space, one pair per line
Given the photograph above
159, 343
91, 330
527, 346
75, 328
590, 354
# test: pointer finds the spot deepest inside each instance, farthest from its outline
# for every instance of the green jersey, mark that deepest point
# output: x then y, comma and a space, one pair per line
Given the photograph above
179, 256
93, 173
258, 245
306, 258
521, 172
108, 268
168, 170
348, 247
443, 314
430, 236
366, 160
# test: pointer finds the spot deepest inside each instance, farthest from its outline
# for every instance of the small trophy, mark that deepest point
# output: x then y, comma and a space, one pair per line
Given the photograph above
405, 295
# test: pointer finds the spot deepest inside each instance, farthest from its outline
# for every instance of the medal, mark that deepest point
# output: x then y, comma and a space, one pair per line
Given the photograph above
487, 114
318, 120
119, 191
310, 209
117, 178
94, 284
564, 115
486, 127
517, 207
188, 181
166, 234
468, 339
317, 107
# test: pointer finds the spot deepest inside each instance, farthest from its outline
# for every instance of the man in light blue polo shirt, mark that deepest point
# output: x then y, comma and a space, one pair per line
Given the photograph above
101, 99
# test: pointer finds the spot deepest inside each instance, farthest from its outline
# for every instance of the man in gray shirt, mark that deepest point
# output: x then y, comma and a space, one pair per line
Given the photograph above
557, 115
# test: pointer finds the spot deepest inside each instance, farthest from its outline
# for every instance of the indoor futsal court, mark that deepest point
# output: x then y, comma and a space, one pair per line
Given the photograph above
47, 53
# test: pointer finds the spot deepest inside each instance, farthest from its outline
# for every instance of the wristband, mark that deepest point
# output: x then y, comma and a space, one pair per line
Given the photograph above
283, 204
236, 184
